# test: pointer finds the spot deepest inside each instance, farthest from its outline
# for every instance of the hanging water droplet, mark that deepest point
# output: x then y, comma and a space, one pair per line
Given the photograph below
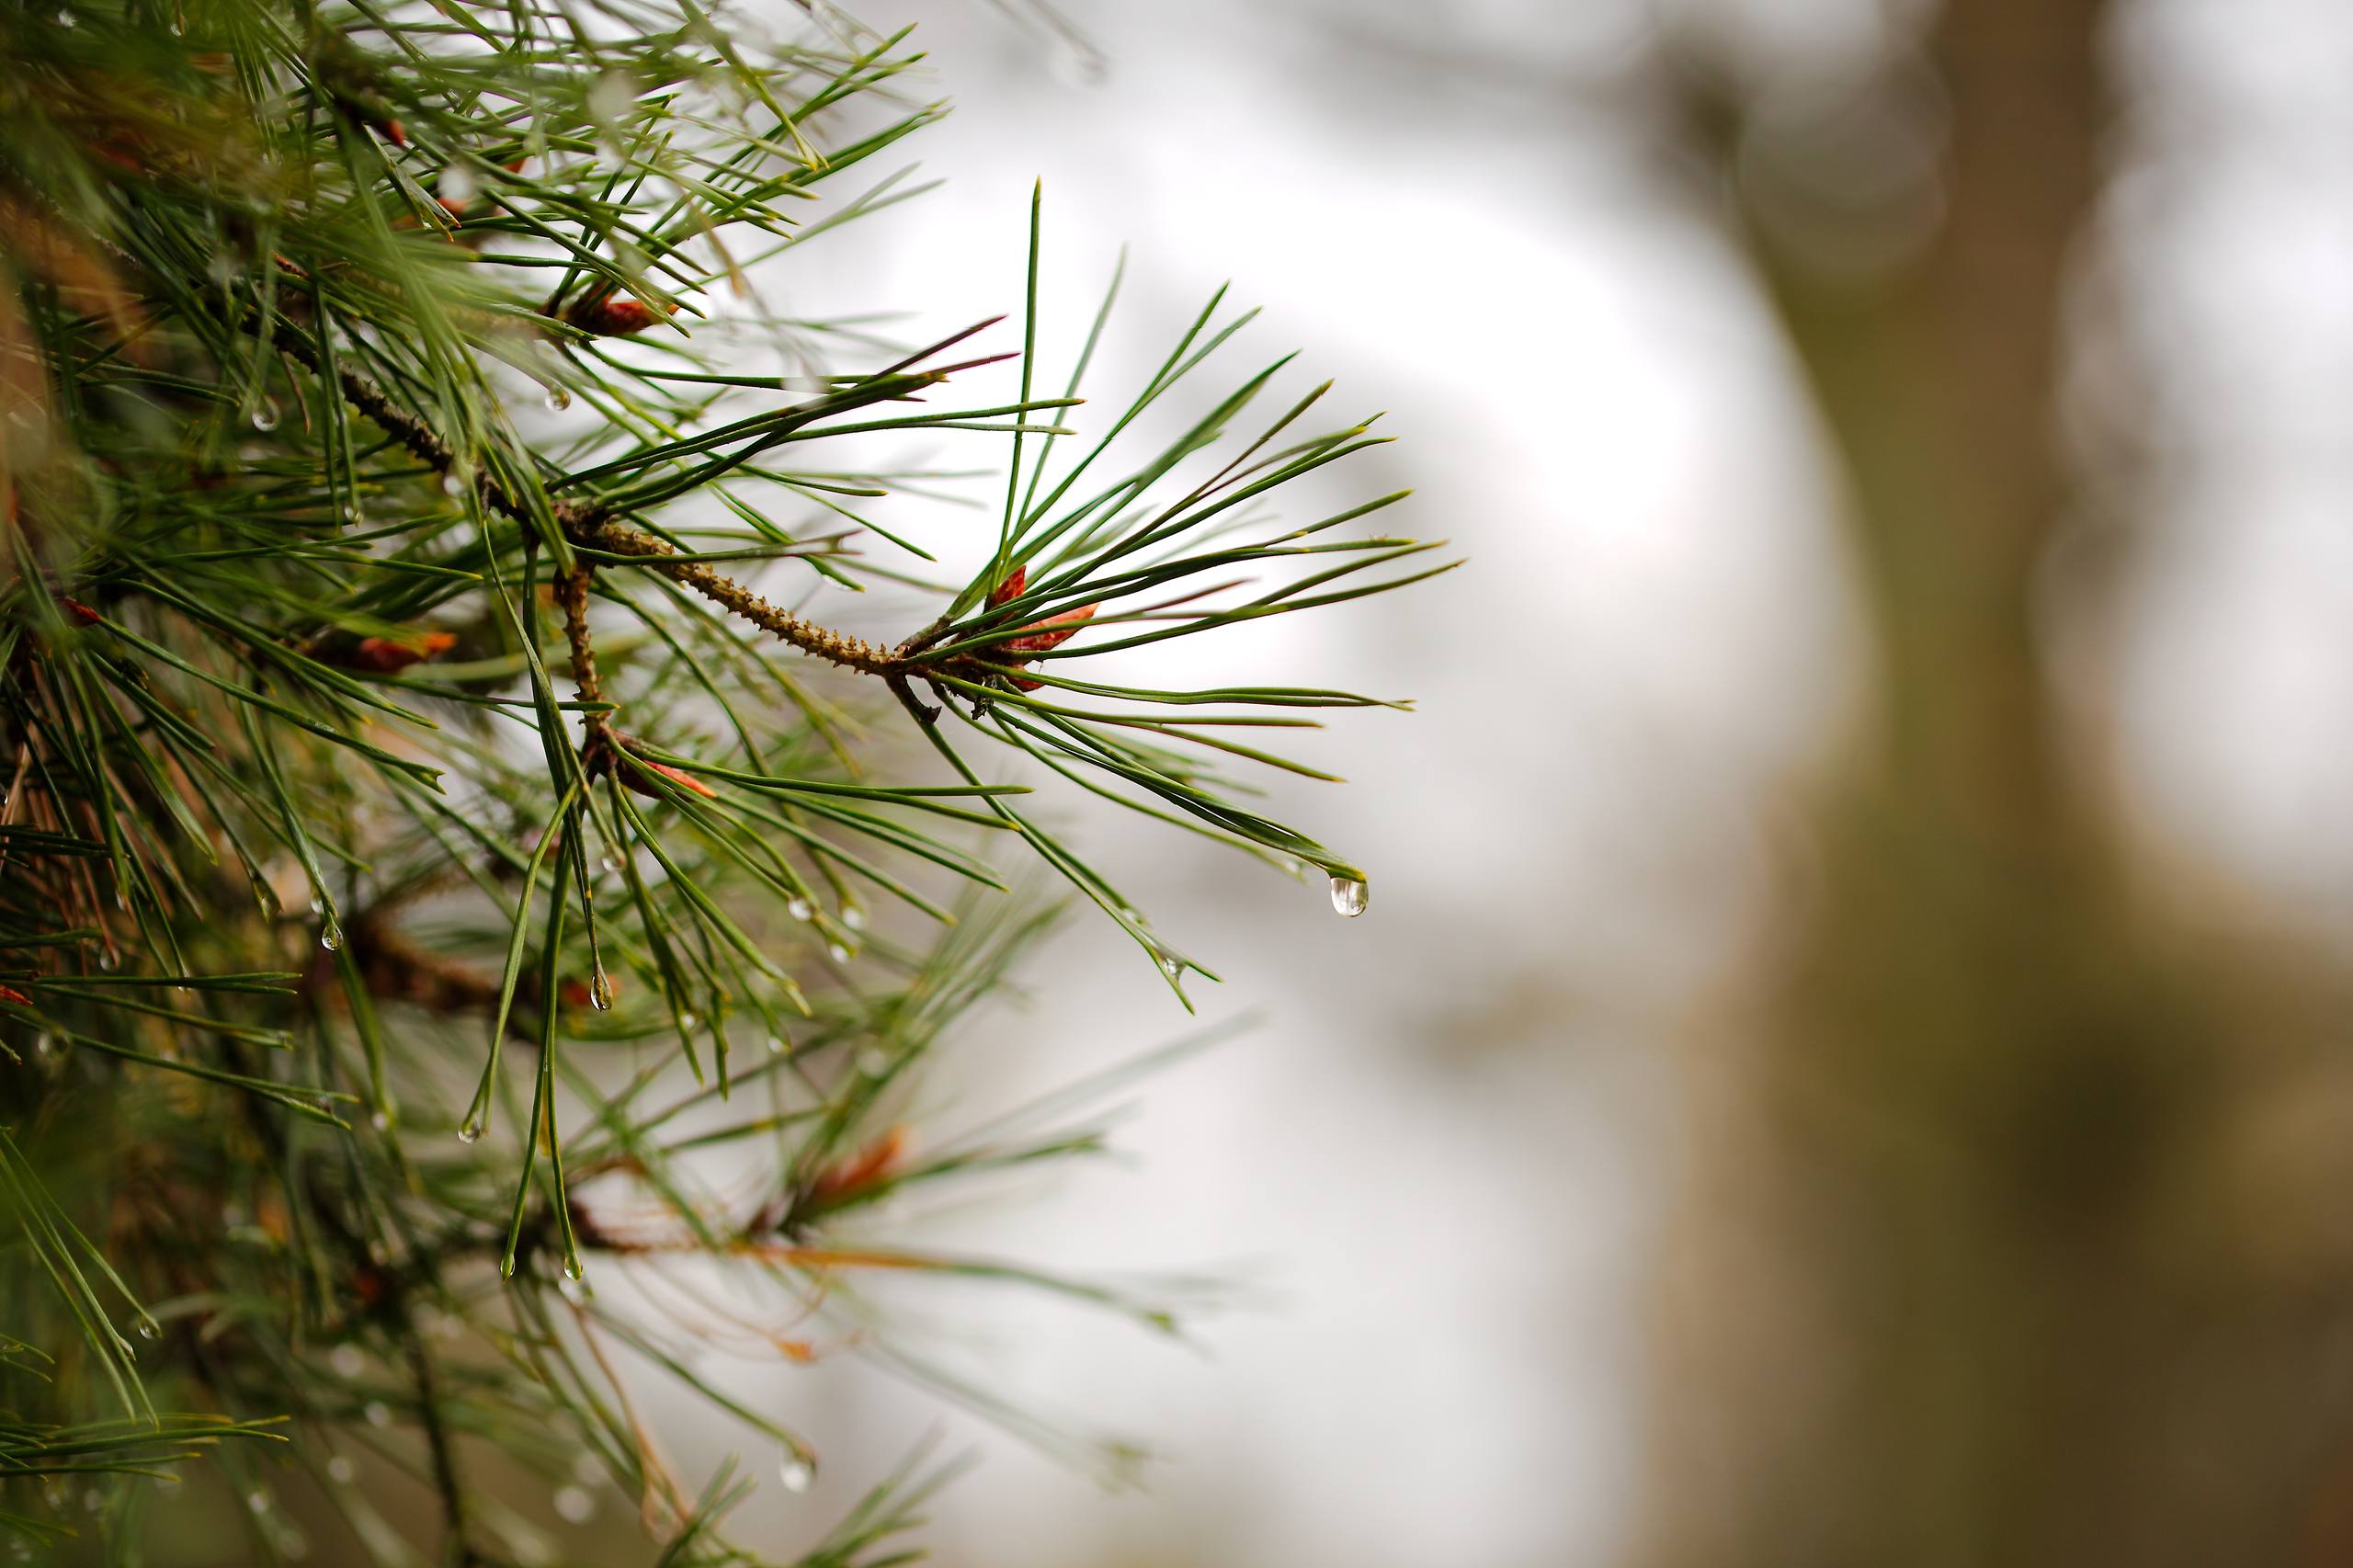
600, 990
686, 1022
331, 937
854, 917
111, 959
572, 1269
795, 1472
380, 1119
840, 954
557, 399
258, 1500
43, 1045
611, 862
376, 1412
266, 416
318, 904
469, 1130
346, 1361
777, 1045
1171, 965
1291, 868
266, 899
148, 1328
800, 909
574, 1504
1350, 896
341, 1471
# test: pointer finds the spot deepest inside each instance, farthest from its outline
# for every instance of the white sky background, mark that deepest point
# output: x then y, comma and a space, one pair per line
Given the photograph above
1441, 1159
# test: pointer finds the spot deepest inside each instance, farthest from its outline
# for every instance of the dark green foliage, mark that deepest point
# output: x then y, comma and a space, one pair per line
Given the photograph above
421, 868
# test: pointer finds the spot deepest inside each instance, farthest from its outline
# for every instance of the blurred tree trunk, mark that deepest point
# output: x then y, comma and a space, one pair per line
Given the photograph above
1952, 1283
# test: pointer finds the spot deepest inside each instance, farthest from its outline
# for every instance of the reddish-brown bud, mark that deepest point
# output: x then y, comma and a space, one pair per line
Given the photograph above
648, 787
856, 1172
79, 613
392, 132
1010, 588
10, 993
385, 655
610, 315
1051, 632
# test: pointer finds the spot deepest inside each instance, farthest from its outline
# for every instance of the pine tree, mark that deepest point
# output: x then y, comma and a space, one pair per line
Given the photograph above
435, 829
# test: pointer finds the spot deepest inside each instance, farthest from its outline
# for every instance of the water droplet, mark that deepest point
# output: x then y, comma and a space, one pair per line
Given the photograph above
380, 1119
331, 937
265, 898
109, 959
557, 399
258, 1501
854, 917
470, 1130
795, 1472
777, 1045
43, 1045
611, 862
1291, 868
1171, 965
348, 1361
800, 909
148, 1328
686, 1022
376, 1412
600, 990
341, 1471
572, 1269
318, 904
840, 954
1350, 896
266, 416
574, 1504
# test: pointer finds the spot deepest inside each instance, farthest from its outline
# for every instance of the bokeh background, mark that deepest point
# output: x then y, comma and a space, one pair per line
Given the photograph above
1847, 1060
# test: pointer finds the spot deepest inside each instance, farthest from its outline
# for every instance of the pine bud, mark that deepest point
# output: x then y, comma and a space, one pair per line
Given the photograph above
78, 613
847, 1176
1051, 632
1010, 588
10, 993
609, 315
647, 788
385, 655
